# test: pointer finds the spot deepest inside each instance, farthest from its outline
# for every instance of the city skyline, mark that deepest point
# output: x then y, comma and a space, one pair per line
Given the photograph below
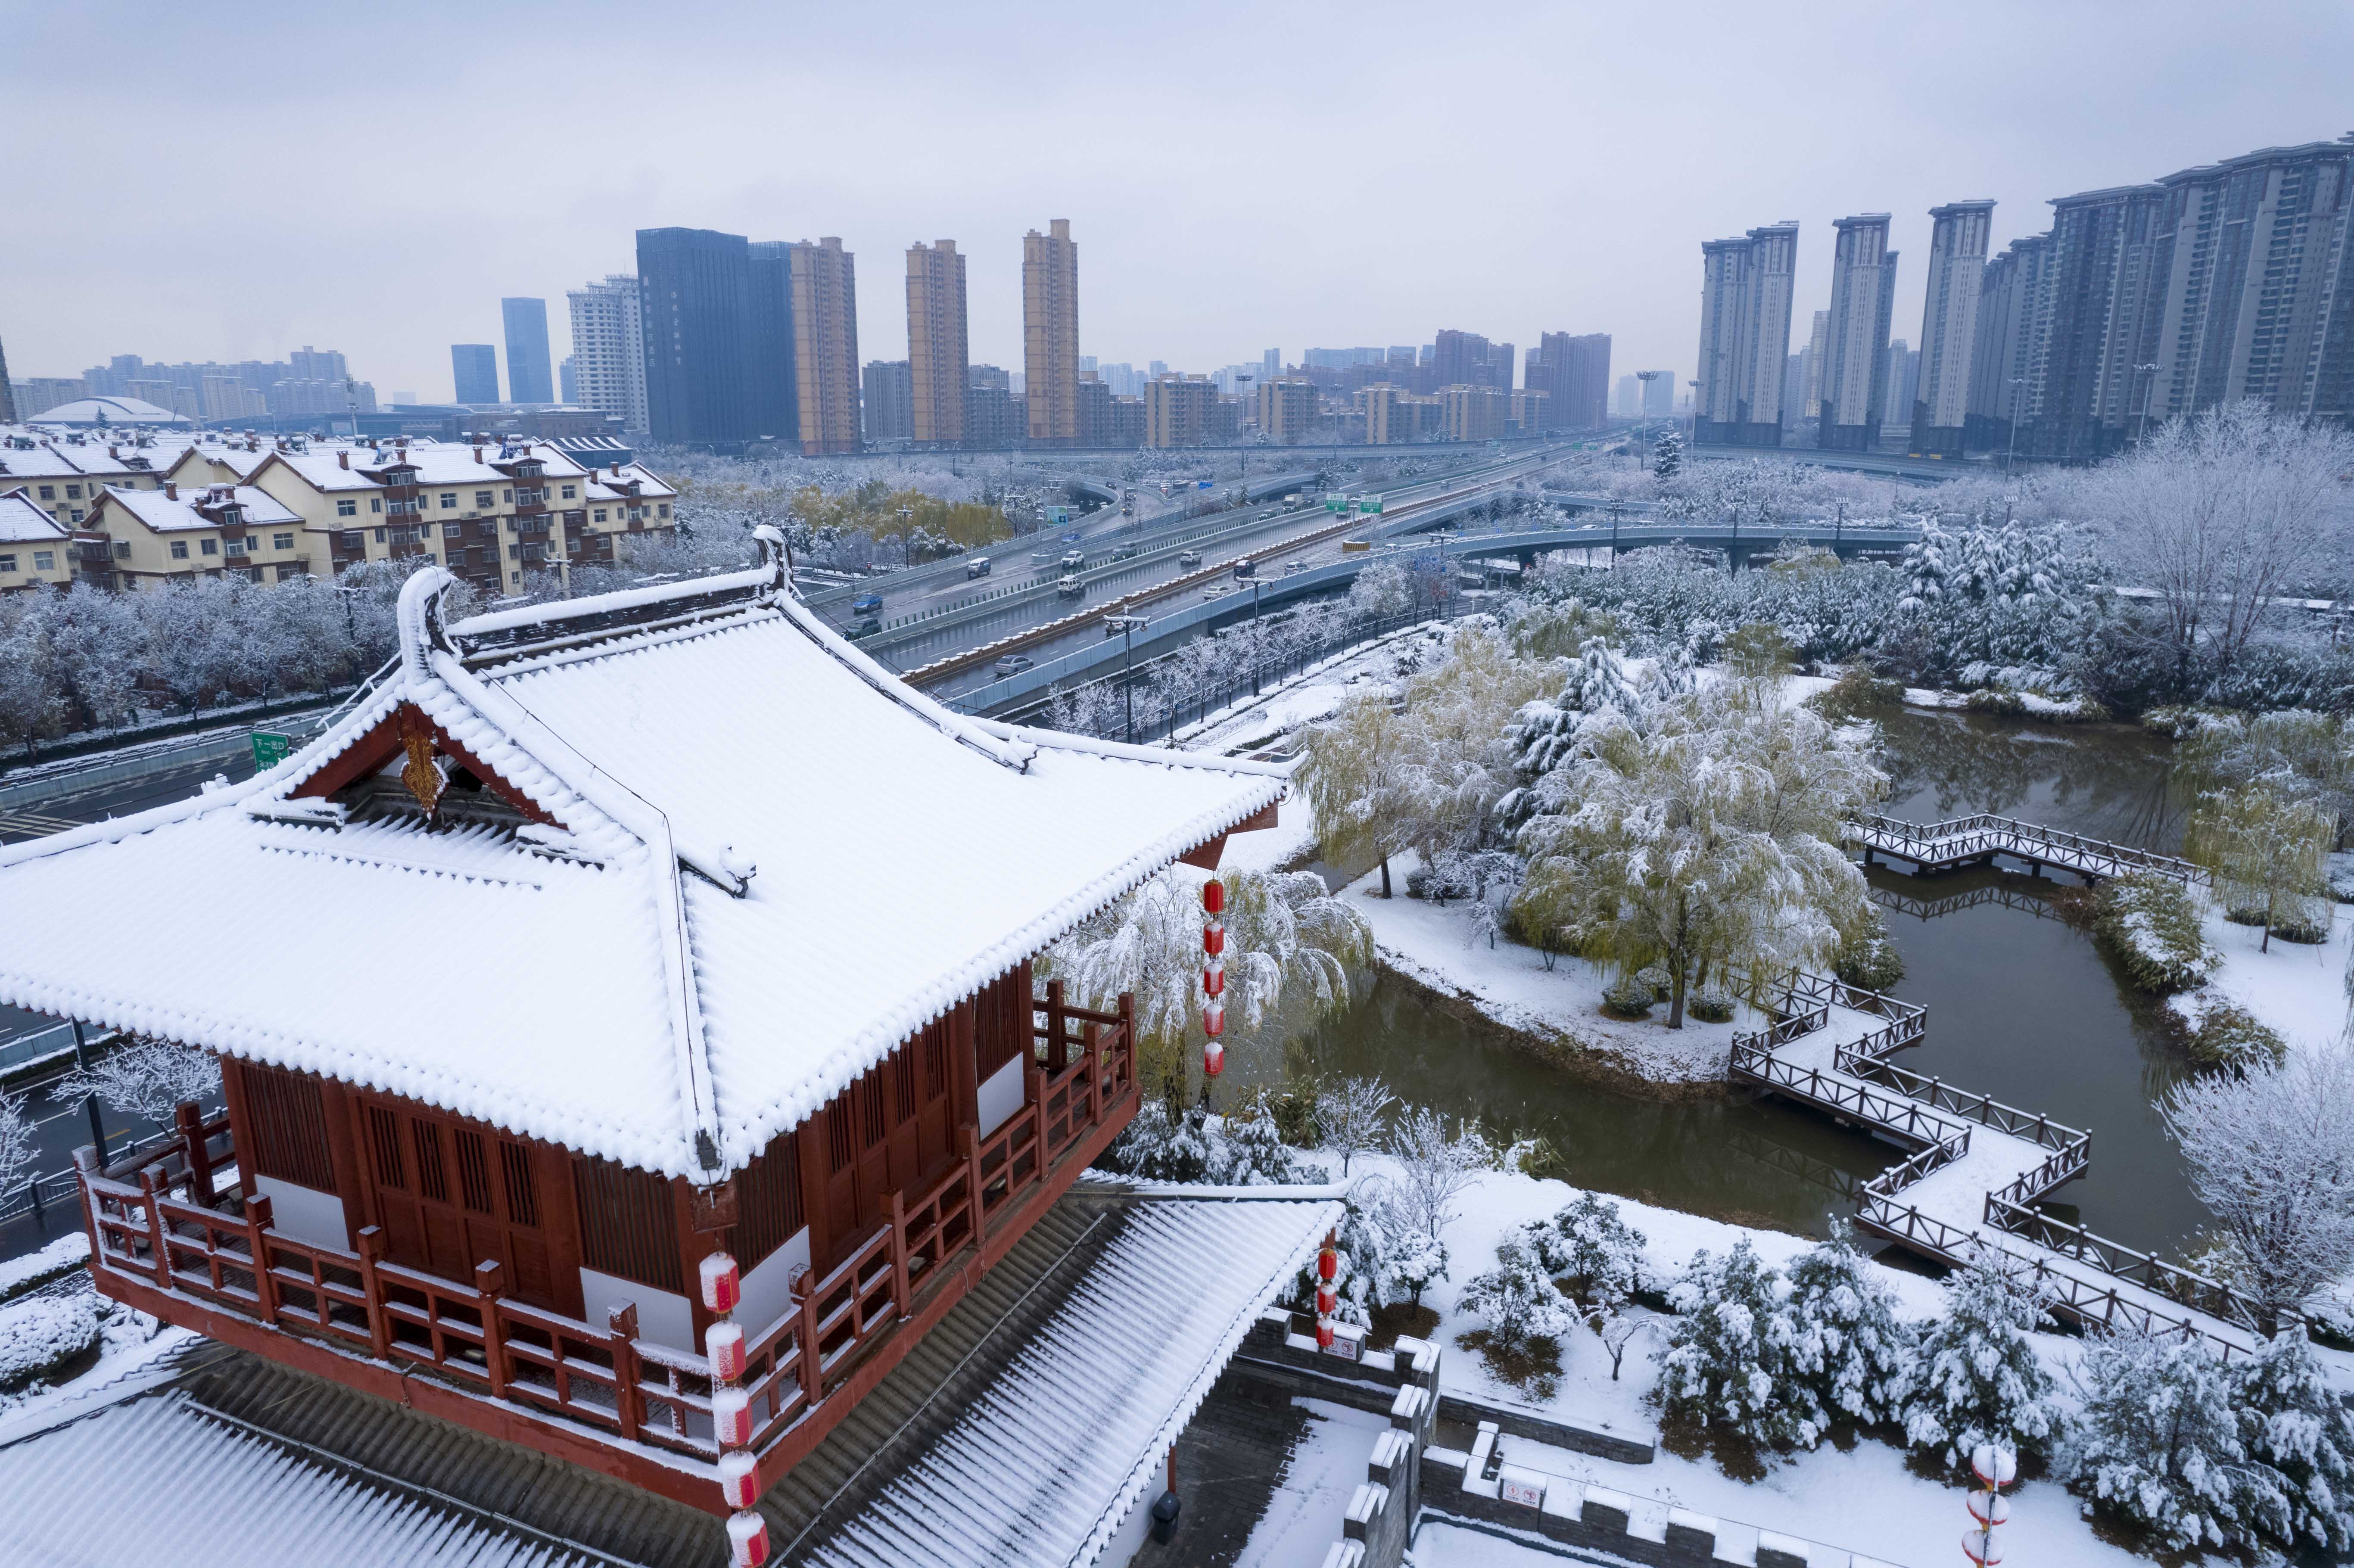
1249, 251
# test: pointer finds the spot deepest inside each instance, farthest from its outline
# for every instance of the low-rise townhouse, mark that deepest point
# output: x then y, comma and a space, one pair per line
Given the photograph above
35, 551
146, 539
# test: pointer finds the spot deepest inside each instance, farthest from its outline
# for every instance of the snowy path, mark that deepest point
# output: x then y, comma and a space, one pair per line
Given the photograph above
1992, 1153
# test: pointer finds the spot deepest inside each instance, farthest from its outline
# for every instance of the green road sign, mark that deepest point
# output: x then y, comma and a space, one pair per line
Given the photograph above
269, 750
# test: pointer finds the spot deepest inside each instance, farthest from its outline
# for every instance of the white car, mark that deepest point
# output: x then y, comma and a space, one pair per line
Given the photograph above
1070, 588
1219, 591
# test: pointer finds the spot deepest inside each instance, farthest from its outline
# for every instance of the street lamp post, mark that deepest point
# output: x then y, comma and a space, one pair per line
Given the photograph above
1643, 412
2010, 442
1254, 641
907, 537
1127, 625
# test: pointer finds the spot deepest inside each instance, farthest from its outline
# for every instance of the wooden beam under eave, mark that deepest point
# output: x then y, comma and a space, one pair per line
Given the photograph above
1207, 855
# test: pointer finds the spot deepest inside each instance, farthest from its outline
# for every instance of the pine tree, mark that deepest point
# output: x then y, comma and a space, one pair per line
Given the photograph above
1600, 1255
1977, 1378
1668, 454
1727, 1361
2302, 1441
1847, 1347
2157, 1441
1518, 1297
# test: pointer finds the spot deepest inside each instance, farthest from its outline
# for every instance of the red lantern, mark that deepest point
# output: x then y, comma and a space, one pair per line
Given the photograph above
1327, 1303
1213, 978
1213, 896
739, 1478
1323, 1333
1214, 1020
723, 1286
1327, 1263
1213, 939
731, 1418
1214, 1059
747, 1539
1989, 1508
724, 1343
1983, 1550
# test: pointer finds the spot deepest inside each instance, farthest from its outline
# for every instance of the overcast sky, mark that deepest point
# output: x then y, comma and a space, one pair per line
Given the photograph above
226, 182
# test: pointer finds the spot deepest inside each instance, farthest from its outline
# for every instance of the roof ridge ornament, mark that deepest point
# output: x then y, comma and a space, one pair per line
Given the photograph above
421, 624
775, 553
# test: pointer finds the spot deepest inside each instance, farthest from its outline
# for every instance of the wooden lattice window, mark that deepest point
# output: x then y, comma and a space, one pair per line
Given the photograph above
628, 1226
433, 1182
286, 1115
769, 1200
473, 1171
523, 1192
384, 1128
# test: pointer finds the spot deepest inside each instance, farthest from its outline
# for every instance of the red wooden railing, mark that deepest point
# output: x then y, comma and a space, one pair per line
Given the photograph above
155, 1218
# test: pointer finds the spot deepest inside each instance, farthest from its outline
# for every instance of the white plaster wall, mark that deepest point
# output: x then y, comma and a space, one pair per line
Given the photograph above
768, 1288
664, 1317
1001, 1096
303, 1213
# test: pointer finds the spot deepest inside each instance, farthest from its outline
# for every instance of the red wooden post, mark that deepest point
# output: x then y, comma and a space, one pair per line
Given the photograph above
151, 1188
1095, 1084
371, 1286
188, 1118
900, 1295
621, 1327
258, 1219
813, 1372
1055, 1051
1036, 1087
86, 1165
488, 1283
971, 1136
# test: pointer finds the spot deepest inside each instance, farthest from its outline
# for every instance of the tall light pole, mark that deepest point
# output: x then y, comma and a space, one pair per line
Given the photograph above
907, 537
1643, 411
1254, 641
2011, 445
1127, 627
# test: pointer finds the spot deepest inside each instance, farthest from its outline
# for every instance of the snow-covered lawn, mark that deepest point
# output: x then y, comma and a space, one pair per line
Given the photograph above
1509, 984
2297, 990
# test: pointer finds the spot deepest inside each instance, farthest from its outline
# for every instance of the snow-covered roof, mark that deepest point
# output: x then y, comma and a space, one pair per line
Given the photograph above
1039, 1469
604, 484
22, 522
167, 513
755, 862
288, 1506
109, 411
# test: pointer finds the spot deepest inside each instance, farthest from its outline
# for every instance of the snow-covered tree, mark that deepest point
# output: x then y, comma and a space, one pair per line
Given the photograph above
1977, 1378
1544, 734
1847, 1349
1455, 763
1380, 592
2269, 855
1598, 1254
1195, 1145
2271, 1153
147, 1077
1351, 1116
2300, 1436
1386, 1257
2300, 755
1706, 836
1518, 1297
1727, 1359
1249, 1151
16, 1152
1437, 1165
1351, 772
1668, 454
2156, 1440
2224, 513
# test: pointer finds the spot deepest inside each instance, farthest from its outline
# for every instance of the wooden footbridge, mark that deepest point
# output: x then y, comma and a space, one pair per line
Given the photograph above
1933, 847
1976, 1168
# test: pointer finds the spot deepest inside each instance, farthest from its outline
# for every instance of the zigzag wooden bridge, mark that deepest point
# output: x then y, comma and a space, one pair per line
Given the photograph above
1932, 847
1977, 1168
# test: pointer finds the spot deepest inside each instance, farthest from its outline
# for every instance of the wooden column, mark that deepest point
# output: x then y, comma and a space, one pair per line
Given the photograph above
1057, 1023
189, 1122
811, 1145
489, 1284
693, 1246
241, 1124
371, 1251
257, 1239
339, 1108
964, 1066
621, 1329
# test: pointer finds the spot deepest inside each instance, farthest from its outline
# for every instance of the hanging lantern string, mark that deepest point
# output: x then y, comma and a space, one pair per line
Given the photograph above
731, 1413
1214, 976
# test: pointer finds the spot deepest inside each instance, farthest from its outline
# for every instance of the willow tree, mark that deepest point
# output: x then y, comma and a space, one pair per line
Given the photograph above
2268, 852
1703, 833
1351, 770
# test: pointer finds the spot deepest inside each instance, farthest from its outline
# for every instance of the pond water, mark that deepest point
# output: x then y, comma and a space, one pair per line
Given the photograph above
2021, 1006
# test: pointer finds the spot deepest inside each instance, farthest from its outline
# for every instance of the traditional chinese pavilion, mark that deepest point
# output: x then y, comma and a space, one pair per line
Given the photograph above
593, 939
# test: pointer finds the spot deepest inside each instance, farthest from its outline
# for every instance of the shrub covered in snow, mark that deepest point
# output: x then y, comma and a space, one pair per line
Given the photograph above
1597, 1254
1726, 1364
1436, 1164
2157, 1441
2151, 922
1386, 1257
35, 1269
2300, 1436
1518, 1297
1977, 1379
1712, 1007
39, 1337
1628, 998
1847, 1351
2228, 1035
1194, 1146
1867, 956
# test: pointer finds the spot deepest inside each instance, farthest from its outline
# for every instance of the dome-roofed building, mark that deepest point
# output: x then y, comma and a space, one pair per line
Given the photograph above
88, 411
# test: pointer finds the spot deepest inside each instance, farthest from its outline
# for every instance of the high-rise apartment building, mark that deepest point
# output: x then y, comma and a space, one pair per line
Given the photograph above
771, 364
567, 380
1574, 374
1463, 359
1287, 409
1050, 336
1898, 407
609, 350
1810, 393
938, 353
1629, 402
825, 345
694, 311
1270, 363
1746, 288
1854, 334
1528, 415
2013, 328
1472, 413
1957, 252
528, 376
890, 404
473, 372
1179, 410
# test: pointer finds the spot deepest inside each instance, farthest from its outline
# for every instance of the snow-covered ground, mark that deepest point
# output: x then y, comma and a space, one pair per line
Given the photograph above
1509, 984
2297, 990
1303, 1518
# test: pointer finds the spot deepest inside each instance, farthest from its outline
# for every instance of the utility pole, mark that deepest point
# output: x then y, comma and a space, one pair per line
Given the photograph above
907, 537
1127, 626
1254, 641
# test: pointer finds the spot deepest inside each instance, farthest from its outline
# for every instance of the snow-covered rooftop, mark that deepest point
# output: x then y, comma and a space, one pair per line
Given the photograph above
22, 522
167, 513
769, 862
109, 411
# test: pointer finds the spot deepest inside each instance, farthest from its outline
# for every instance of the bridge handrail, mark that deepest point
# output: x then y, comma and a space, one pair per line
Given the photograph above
2183, 1287
1984, 831
1984, 1109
